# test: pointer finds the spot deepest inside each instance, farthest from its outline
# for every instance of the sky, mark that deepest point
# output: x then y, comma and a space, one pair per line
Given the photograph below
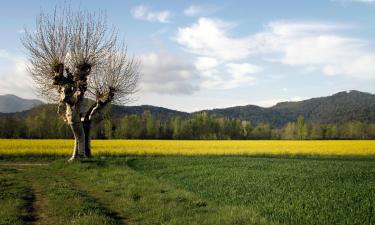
198, 55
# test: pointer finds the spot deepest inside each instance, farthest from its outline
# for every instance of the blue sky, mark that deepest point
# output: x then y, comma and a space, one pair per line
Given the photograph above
209, 54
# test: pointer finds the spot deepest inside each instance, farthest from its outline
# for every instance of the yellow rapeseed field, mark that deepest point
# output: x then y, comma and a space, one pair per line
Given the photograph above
167, 147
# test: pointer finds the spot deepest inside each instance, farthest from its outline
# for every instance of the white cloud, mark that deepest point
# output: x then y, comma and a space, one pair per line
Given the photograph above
320, 46
239, 75
14, 78
294, 29
143, 12
209, 37
206, 63
225, 76
218, 54
167, 74
241, 69
363, 67
221, 83
199, 10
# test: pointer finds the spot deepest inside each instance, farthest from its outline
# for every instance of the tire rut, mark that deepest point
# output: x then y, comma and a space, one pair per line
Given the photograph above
35, 201
39, 210
93, 196
30, 217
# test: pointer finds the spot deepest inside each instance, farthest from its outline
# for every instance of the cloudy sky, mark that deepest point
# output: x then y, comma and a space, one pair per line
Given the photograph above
210, 54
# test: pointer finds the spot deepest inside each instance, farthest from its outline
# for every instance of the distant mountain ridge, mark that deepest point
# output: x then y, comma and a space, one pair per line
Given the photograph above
338, 108
156, 111
13, 103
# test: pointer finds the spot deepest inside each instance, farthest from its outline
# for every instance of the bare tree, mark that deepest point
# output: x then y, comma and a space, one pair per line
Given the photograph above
73, 56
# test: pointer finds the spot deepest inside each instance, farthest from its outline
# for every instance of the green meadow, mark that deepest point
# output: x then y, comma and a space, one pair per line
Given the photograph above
188, 190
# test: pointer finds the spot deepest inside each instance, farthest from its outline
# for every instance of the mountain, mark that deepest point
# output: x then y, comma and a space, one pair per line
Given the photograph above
156, 111
338, 108
115, 111
254, 114
12, 103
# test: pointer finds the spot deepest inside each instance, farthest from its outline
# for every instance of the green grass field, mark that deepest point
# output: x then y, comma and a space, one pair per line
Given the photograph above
188, 190
290, 191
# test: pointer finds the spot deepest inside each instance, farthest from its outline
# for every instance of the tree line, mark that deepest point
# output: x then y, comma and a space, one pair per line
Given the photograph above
43, 125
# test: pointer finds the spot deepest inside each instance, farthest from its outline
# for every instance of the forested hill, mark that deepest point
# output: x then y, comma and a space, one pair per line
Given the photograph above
12, 103
338, 108
158, 112
255, 114
114, 110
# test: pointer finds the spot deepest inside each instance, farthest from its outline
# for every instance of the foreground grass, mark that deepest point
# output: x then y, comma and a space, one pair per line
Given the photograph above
15, 198
188, 190
16, 147
106, 192
285, 190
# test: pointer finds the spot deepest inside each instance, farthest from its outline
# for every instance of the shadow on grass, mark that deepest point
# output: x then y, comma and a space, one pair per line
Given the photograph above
29, 206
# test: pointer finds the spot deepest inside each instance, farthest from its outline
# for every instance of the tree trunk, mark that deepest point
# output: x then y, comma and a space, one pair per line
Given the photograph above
79, 141
87, 130
73, 117
91, 118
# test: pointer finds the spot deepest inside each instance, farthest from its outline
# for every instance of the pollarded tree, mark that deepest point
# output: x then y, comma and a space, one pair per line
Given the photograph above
73, 56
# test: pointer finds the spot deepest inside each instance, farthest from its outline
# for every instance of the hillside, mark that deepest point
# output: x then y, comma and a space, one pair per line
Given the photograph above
338, 108
255, 114
115, 110
156, 111
12, 103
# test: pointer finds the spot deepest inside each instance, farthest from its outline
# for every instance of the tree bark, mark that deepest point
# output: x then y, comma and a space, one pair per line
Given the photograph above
79, 141
92, 117
81, 126
87, 130
73, 117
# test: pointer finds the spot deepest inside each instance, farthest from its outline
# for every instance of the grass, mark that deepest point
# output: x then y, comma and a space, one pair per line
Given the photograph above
189, 190
285, 190
16, 147
110, 192
209, 182
15, 198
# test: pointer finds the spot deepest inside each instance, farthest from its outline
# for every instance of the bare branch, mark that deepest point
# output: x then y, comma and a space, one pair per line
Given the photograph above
72, 53
116, 79
66, 47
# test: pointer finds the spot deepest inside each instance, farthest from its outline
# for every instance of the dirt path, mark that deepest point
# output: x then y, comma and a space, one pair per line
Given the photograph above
39, 204
30, 218
96, 197
38, 200
36, 208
